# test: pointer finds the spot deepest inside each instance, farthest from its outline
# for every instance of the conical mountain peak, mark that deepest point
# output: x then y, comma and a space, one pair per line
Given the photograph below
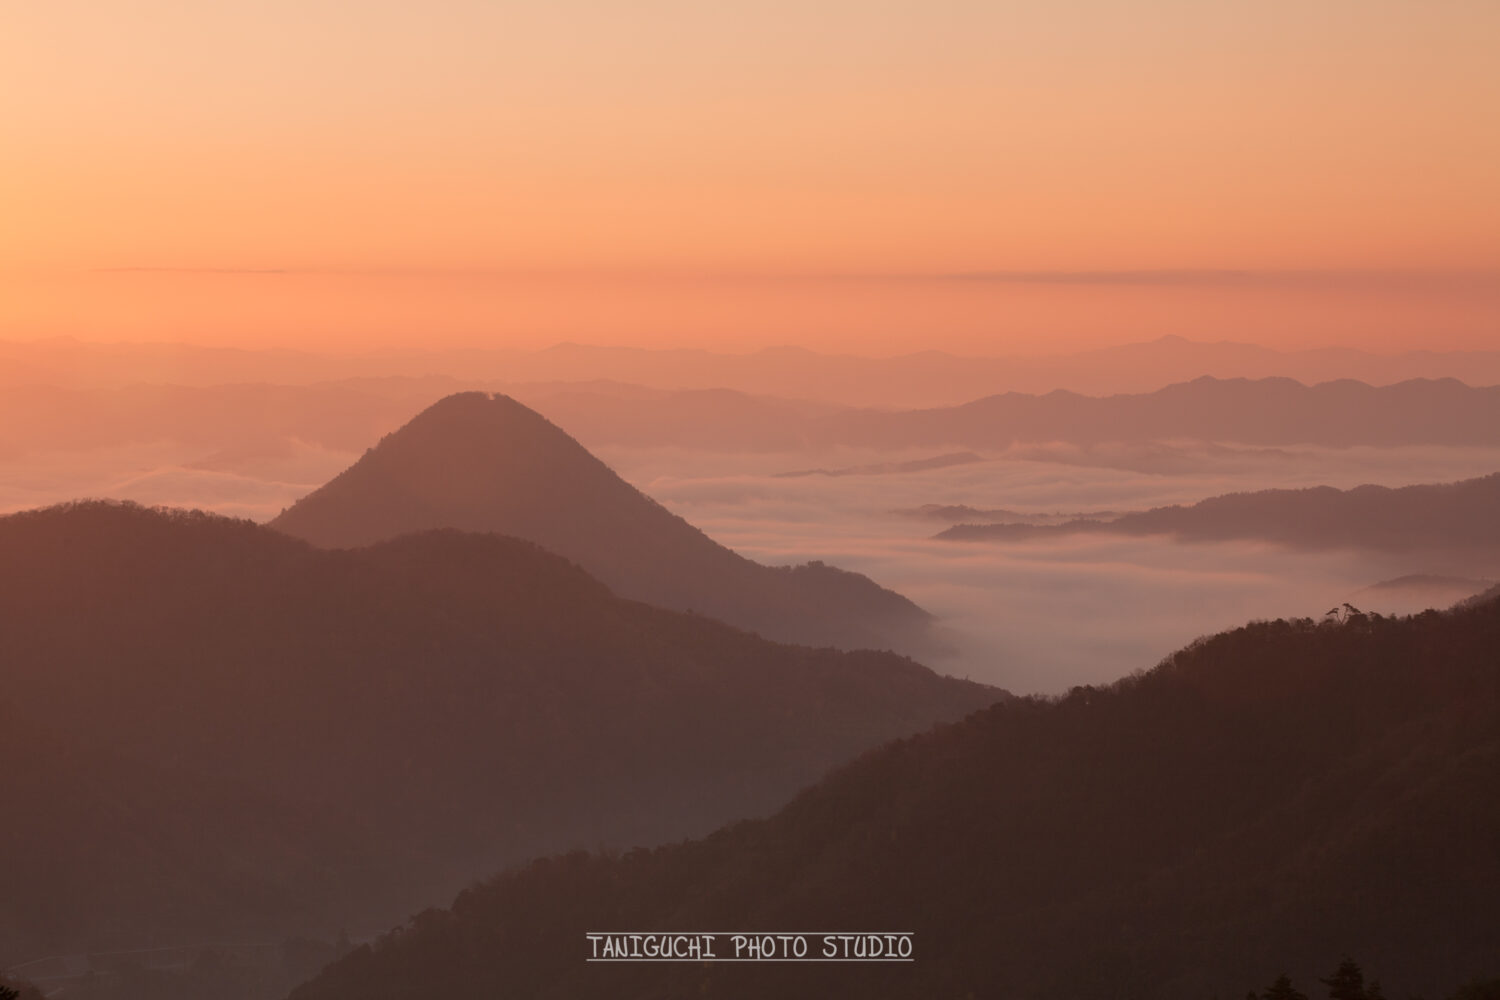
482, 462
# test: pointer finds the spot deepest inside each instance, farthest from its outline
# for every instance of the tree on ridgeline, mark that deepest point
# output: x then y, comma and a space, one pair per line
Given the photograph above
1282, 989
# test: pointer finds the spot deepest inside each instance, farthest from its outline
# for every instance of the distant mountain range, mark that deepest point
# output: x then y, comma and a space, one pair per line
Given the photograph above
1267, 411
1458, 520
214, 731
1267, 800
240, 426
486, 463
928, 378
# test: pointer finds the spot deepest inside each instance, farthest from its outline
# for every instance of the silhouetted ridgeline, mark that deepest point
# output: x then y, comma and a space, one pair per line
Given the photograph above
211, 728
1461, 518
1263, 411
1265, 800
483, 463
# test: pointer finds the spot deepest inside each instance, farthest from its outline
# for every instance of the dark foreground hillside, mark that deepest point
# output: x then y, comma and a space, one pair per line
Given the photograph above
214, 732
1265, 800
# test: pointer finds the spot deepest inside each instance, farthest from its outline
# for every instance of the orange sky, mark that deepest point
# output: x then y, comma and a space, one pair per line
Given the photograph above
826, 173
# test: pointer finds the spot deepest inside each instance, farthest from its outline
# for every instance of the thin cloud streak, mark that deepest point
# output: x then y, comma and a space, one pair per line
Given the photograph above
1243, 278
1179, 277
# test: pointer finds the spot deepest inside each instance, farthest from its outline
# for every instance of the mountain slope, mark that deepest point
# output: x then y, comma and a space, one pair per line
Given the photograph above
123, 850
1268, 799
1456, 519
426, 708
483, 463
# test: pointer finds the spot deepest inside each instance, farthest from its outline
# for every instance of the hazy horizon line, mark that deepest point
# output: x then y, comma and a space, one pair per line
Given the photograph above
784, 347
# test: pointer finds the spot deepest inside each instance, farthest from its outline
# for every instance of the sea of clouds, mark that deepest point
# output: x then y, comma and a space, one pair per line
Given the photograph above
1046, 614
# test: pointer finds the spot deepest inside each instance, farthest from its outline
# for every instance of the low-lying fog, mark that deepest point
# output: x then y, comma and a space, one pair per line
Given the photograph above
1030, 616
253, 484
1045, 615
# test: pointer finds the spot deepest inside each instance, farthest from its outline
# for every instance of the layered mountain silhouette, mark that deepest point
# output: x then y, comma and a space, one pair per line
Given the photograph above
251, 448
345, 414
211, 728
486, 463
1263, 801
1267, 411
1458, 520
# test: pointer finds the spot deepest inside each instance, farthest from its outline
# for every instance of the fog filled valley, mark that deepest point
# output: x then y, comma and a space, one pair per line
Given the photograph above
1044, 614
1150, 686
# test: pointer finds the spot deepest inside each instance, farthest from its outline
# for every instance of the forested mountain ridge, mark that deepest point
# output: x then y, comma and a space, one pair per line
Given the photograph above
227, 707
1264, 800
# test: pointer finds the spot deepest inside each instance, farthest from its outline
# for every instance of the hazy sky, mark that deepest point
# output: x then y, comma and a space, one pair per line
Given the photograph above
983, 176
